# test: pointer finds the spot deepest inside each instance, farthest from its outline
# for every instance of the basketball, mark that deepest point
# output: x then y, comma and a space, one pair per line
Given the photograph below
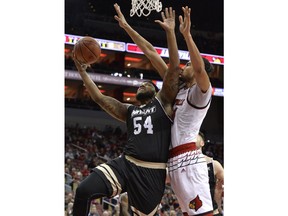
87, 50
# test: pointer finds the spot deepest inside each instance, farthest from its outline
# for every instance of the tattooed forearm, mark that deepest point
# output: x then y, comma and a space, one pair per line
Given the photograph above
113, 107
170, 84
172, 81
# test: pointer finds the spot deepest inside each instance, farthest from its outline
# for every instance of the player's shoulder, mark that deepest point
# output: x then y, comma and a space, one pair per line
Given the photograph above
218, 166
216, 162
208, 159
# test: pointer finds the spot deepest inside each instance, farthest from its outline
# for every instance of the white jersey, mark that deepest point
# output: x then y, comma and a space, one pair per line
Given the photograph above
186, 165
191, 106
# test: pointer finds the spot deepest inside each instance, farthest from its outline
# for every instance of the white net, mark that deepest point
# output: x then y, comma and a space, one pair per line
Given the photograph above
144, 7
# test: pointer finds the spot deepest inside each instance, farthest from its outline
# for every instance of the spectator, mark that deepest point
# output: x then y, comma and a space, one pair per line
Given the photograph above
93, 211
85, 171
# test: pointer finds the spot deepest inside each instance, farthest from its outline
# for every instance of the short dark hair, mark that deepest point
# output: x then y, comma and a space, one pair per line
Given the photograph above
208, 66
155, 86
202, 136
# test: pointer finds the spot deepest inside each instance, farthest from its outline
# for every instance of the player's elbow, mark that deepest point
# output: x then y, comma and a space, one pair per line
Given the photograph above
98, 98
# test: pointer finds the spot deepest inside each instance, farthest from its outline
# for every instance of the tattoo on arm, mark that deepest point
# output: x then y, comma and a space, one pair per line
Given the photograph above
170, 84
114, 108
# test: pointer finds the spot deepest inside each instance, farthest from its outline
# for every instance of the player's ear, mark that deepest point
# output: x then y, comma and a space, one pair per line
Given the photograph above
202, 143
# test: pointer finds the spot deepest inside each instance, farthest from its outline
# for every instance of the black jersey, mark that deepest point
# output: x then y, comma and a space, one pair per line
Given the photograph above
149, 132
212, 182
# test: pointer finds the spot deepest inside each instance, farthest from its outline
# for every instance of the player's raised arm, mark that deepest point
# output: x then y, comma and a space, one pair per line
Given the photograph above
146, 47
171, 79
196, 59
112, 106
168, 24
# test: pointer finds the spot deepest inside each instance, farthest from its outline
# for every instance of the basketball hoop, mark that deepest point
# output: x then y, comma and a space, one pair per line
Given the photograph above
144, 7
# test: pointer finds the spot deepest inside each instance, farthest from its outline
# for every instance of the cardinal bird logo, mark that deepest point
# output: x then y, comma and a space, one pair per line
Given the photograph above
196, 203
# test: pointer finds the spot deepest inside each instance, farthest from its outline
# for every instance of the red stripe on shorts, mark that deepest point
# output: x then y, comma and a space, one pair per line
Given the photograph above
182, 149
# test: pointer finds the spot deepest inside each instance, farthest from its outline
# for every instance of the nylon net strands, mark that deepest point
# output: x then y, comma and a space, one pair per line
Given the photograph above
144, 7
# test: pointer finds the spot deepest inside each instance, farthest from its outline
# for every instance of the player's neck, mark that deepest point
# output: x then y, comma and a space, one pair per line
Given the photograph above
190, 84
145, 101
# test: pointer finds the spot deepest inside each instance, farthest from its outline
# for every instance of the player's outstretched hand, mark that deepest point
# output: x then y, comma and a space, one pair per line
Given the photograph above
80, 67
185, 25
120, 17
168, 23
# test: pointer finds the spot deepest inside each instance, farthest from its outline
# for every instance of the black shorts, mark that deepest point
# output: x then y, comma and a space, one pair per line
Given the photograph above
145, 186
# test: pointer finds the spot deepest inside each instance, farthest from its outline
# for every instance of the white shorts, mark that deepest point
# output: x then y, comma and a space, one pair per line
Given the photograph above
188, 174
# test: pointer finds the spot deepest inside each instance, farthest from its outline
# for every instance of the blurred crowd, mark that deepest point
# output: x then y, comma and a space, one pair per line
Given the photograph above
87, 147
